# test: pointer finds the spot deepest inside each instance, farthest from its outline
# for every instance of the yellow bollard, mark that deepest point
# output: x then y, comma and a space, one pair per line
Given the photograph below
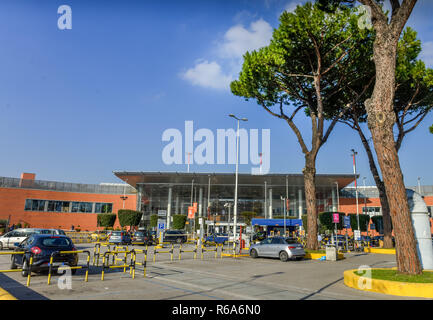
49, 274
103, 264
171, 253
87, 270
30, 271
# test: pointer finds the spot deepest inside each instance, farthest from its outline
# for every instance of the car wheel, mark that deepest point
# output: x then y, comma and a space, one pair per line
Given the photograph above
74, 271
25, 271
1, 245
284, 256
253, 253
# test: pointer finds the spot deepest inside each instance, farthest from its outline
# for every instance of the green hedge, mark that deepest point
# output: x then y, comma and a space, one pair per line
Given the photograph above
106, 220
129, 217
153, 220
363, 220
325, 219
3, 223
179, 221
378, 223
305, 222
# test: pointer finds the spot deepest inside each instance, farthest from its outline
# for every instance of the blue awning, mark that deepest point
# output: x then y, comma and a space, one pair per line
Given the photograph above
276, 222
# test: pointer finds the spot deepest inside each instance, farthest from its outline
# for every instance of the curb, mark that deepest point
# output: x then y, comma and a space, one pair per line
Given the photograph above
318, 256
4, 295
379, 250
402, 289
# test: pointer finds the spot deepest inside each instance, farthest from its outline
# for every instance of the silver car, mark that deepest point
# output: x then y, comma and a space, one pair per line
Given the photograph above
278, 247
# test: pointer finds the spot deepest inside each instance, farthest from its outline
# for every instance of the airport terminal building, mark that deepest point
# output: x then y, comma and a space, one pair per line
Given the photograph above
50, 204
174, 192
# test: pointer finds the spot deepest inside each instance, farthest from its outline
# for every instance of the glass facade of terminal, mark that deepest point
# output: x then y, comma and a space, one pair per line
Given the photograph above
214, 194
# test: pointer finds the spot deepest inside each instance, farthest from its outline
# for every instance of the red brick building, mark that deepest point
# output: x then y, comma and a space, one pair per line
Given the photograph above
49, 204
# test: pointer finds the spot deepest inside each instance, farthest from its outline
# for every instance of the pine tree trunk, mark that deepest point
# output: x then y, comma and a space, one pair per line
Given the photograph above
381, 120
310, 200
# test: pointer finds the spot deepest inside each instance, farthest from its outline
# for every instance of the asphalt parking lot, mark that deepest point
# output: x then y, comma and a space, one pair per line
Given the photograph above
229, 278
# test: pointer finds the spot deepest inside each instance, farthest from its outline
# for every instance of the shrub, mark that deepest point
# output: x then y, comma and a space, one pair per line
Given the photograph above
179, 221
106, 219
3, 223
326, 218
287, 217
153, 220
378, 223
129, 217
364, 220
305, 223
18, 225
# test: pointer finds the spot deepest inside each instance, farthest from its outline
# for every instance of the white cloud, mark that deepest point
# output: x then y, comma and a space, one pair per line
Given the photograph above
427, 53
238, 40
291, 6
208, 75
228, 53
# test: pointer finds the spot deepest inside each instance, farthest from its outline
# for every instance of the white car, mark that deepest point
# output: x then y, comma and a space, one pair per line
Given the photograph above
8, 240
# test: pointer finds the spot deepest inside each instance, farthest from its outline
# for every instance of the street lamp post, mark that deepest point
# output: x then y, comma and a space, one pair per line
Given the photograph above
354, 153
235, 209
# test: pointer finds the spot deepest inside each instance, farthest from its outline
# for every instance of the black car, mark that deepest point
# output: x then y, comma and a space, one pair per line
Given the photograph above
177, 236
42, 246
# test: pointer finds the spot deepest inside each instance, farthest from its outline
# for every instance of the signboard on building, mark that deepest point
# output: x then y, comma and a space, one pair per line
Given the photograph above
191, 213
357, 235
335, 218
162, 213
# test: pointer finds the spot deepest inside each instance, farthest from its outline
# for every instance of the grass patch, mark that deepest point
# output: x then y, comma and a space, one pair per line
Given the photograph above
392, 275
314, 251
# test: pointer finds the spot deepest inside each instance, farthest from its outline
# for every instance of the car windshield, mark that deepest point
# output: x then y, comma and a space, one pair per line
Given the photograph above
139, 234
56, 242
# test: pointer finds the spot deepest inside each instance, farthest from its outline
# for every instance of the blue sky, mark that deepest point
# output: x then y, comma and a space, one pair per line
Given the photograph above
77, 104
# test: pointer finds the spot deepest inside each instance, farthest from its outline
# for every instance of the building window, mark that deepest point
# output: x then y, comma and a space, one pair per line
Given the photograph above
85, 207
103, 207
34, 205
372, 211
58, 206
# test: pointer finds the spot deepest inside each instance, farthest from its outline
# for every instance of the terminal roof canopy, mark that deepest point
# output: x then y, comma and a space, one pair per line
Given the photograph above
179, 178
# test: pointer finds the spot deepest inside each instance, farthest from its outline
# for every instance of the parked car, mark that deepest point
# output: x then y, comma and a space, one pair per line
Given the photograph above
9, 239
119, 237
99, 235
217, 238
177, 236
144, 237
53, 231
42, 246
278, 247
259, 236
